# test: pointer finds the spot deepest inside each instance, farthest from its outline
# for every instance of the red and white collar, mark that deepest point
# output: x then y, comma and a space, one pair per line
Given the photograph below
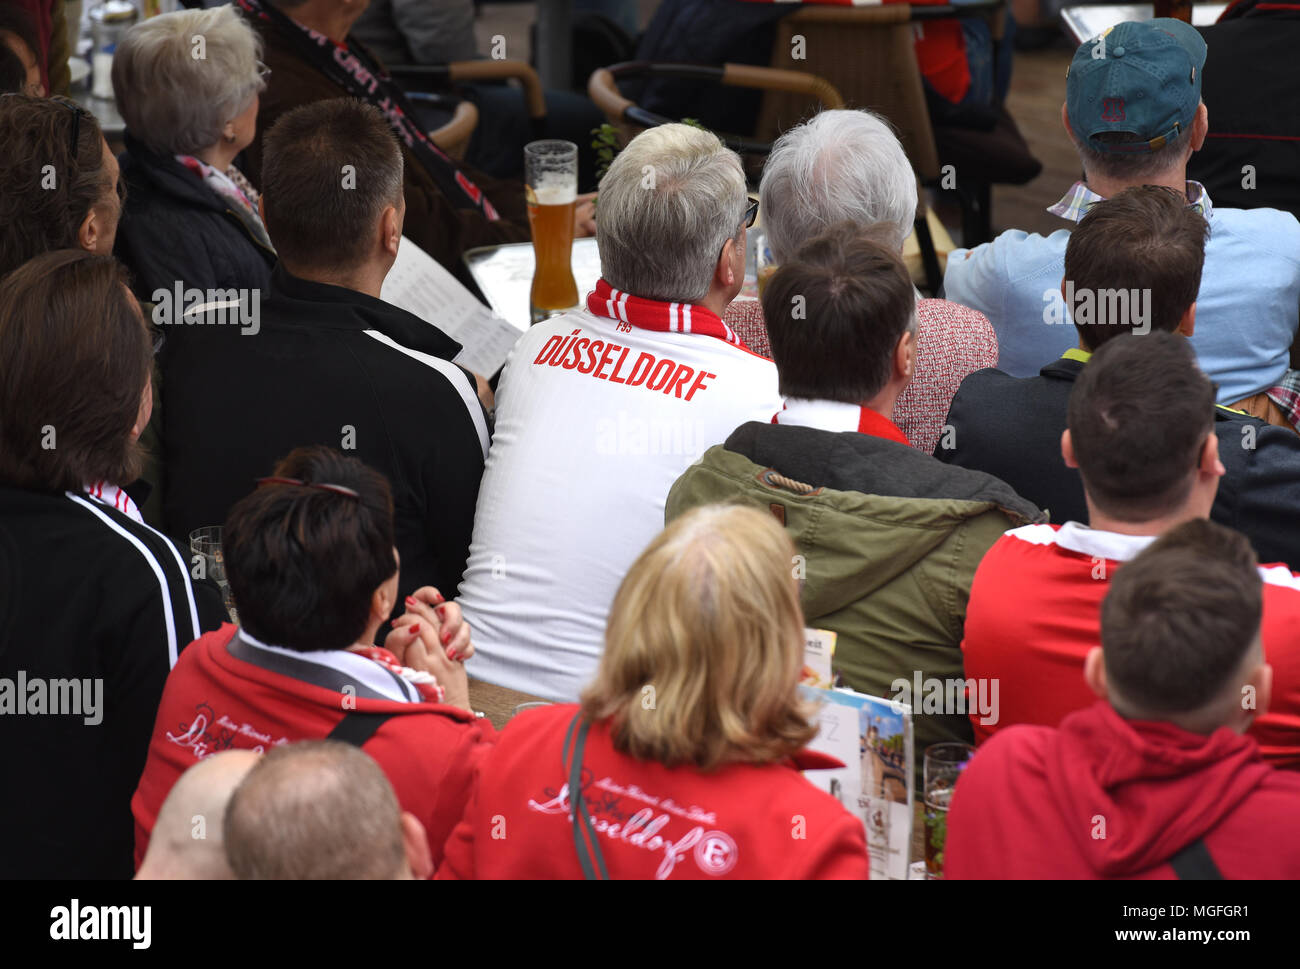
653, 314
832, 415
111, 494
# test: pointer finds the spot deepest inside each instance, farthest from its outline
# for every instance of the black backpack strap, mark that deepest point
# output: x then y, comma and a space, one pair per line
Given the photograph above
356, 728
584, 832
1194, 863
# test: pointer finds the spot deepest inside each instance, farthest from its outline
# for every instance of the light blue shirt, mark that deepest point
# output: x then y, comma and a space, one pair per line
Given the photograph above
1246, 312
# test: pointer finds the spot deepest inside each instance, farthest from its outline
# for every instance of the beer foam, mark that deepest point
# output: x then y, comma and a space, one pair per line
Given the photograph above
555, 188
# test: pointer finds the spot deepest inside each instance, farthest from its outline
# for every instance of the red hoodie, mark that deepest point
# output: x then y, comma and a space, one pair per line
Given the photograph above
741, 821
214, 701
1104, 797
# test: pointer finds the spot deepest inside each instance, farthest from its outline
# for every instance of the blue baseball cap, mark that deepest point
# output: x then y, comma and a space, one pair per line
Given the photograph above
1141, 78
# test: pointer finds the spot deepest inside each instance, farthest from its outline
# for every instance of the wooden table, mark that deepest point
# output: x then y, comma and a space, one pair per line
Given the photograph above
497, 703
1086, 22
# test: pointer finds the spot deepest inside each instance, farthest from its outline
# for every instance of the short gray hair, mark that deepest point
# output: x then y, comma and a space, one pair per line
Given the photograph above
667, 206
839, 165
175, 101
1132, 166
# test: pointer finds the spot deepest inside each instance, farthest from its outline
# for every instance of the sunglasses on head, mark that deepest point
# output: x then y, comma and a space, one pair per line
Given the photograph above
332, 488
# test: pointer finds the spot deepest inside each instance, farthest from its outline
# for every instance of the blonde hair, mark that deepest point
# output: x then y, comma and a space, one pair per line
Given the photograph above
705, 644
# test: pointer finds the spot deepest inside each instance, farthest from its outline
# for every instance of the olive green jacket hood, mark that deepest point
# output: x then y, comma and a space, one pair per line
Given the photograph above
887, 541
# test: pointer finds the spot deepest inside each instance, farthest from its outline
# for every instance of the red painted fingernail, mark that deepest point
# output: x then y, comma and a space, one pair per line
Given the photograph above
414, 629
446, 637
439, 598
410, 601
451, 654
440, 610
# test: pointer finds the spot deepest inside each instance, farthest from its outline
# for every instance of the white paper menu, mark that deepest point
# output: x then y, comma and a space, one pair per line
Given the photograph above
418, 284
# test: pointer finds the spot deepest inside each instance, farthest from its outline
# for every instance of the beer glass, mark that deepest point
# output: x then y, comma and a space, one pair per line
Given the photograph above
943, 765
551, 186
206, 543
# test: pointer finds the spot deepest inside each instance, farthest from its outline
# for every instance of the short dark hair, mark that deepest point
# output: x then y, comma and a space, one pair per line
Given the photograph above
13, 73
316, 809
1146, 240
304, 562
329, 170
1180, 617
1139, 415
75, 357
836, 312
46, 190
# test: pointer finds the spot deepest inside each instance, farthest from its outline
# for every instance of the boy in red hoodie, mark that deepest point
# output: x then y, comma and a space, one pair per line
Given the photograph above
1160, 780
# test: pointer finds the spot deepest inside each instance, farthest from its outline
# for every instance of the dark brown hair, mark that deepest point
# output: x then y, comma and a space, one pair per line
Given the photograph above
304, 562
45, 190
1139, 415
835, 314
1145, 240
1180, 617
329, 170
75, 357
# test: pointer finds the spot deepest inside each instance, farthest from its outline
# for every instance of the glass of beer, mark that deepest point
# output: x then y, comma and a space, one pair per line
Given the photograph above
943, 765
205, 544
551, 186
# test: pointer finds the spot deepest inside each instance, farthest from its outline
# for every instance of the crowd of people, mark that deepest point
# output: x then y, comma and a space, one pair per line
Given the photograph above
1076, 477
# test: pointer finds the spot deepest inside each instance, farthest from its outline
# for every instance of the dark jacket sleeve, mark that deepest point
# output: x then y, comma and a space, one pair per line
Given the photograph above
1260, 494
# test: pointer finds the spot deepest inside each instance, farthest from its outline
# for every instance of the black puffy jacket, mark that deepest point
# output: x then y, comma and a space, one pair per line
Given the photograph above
174, 228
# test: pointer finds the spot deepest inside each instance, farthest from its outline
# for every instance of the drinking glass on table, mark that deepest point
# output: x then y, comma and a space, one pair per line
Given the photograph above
206, 542
551, 187
943, 765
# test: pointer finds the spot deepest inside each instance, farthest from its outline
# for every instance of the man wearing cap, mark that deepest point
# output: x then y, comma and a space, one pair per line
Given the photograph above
1134, 113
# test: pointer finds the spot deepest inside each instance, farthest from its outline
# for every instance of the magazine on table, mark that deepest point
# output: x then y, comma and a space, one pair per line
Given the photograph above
873, 738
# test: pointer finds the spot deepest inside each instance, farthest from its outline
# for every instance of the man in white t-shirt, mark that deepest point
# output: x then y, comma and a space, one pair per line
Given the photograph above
601, 409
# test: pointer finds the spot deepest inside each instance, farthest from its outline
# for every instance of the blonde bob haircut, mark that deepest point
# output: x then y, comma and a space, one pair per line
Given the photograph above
704, 646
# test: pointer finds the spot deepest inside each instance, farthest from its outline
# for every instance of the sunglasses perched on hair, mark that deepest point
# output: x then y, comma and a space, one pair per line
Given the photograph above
751, 213
74, 133
332, 488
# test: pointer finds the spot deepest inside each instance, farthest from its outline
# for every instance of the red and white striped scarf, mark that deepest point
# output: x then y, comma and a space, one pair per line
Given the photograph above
653, 314
111, 494
425, 683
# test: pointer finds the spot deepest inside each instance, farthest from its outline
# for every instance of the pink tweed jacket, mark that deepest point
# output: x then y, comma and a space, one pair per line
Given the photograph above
953, 341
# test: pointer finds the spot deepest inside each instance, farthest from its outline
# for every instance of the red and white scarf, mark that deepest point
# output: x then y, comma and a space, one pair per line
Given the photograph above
425, 683
653, 314
111, 494
832, 415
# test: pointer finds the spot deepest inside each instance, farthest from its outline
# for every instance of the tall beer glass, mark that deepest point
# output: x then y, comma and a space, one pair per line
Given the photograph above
551, 185
943, 765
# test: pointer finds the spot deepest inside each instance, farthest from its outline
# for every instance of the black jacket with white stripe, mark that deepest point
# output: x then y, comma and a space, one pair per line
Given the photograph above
331, 366
91, 597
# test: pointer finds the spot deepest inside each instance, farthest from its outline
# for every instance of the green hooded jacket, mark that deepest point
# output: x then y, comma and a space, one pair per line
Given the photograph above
887, 541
